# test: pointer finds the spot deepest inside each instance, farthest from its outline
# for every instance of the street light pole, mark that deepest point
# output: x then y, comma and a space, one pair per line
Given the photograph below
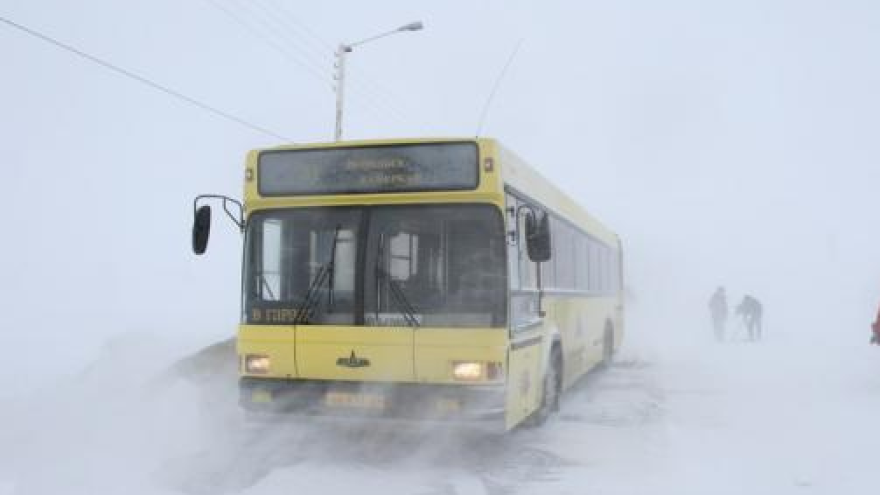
340, 69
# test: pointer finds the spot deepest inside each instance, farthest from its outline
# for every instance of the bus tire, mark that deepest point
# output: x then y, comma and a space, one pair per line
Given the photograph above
551, 390
608, 346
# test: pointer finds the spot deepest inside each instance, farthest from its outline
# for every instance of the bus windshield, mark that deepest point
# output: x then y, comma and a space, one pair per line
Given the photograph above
414, 265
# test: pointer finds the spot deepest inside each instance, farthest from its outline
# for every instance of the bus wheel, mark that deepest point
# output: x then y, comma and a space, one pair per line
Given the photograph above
608, 347
550, 391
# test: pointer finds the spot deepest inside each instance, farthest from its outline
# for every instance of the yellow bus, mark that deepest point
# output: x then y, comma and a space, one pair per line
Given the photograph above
416, 278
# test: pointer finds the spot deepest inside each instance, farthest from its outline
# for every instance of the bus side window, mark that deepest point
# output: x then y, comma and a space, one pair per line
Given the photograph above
582, 275
564, 252
606, 270
593, 251
548, 268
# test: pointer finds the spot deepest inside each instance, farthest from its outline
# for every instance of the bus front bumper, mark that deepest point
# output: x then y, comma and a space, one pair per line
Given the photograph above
370, 399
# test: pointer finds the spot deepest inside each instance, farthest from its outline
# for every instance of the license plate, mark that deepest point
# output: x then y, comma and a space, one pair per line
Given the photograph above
355, 400
261, 396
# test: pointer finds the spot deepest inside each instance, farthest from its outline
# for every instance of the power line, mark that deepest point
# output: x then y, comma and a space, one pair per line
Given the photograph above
324, 44
297, 25
374, 95
290, 33
144, 80
281, 28
270, 25
296, 28
306, 61
313, 71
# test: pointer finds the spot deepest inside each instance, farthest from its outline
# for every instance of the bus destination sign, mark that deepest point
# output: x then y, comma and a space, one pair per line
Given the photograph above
375, 169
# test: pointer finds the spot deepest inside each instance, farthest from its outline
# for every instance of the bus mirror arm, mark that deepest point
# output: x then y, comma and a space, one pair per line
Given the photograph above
541, 312
201, 229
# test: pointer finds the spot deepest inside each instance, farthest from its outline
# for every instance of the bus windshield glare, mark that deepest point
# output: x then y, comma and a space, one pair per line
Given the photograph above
425, 265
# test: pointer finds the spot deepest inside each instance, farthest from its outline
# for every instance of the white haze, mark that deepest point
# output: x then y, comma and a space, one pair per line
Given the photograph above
727, 143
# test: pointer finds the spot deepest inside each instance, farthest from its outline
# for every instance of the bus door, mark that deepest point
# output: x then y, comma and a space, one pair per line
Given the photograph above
526, 321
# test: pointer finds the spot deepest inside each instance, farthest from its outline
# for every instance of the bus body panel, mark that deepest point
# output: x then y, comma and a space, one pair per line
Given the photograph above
581, 320
525, 374
437, 349
278, 342
573, 321
355, 353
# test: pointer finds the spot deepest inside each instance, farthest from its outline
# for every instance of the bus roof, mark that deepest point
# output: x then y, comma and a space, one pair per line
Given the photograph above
370, 142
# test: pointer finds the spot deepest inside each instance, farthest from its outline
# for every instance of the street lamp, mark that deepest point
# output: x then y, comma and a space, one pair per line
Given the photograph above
340, 67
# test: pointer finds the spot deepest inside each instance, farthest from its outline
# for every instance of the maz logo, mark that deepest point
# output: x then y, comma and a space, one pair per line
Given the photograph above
352, 361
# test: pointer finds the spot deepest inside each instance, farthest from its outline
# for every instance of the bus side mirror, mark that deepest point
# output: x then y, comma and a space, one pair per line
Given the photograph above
538, 237
201, 229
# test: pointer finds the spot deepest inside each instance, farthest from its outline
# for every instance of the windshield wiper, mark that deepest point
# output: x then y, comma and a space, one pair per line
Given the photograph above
265, 285
331, 270
406, 309
325, 272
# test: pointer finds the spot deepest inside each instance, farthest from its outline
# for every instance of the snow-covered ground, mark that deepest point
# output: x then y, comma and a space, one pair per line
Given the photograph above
672, 416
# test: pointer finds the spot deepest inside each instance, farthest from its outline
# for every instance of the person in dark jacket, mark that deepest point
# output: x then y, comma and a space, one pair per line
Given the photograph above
718, 311
751, 312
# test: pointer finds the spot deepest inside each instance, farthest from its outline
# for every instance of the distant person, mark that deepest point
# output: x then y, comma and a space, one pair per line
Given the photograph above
751, 311
718, 310
875, 327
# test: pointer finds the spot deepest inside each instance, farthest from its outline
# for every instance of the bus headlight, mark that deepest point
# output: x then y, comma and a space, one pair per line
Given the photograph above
468, 371
256, 363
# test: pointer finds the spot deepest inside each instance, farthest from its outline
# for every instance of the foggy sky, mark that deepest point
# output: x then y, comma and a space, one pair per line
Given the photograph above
726, 142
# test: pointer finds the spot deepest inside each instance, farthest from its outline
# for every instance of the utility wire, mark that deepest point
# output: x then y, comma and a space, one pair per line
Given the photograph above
367, 84
305, 59
144, 80
315, 72
262, 29
285, 30
311, 52
317, 42
297, 25
285, 12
